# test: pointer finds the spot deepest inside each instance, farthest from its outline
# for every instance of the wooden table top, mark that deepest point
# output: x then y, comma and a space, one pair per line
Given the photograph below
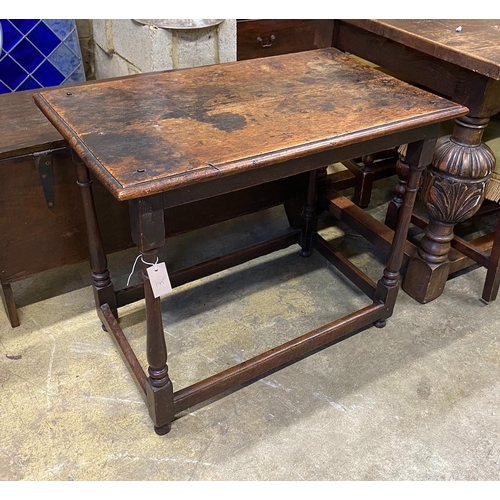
160, 131
23, 128
475, 45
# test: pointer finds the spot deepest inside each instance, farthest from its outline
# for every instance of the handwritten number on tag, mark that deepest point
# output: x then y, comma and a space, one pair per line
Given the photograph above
158, 277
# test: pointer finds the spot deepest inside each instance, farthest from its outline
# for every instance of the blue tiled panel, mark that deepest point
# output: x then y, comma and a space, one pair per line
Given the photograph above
39, 53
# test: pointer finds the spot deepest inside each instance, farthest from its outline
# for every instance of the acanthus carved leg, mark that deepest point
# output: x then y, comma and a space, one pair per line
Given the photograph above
452, 192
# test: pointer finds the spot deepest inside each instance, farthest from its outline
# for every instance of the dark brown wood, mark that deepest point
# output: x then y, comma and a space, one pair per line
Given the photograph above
363, 188
365, 170
302, 111
9, 303
459, 59
148, 233
58, 232
464, 248
18, 139
403, 173
474, 46
272, 37
103, 288
373, 230
309, 215
492, 282
108, 319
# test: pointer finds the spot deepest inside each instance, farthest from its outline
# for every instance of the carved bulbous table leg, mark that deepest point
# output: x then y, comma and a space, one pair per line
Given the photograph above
453, 191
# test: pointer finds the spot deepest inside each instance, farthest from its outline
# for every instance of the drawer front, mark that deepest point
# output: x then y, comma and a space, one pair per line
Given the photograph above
270, 37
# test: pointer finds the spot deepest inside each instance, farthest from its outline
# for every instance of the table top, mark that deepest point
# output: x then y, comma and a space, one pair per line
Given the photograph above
469, 43
161, 131
23, 128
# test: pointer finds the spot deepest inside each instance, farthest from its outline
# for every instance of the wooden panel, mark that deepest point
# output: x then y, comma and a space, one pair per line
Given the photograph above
36, 238
176, 128
271, 37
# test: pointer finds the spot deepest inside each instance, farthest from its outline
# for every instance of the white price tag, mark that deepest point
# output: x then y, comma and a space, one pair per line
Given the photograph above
158, 277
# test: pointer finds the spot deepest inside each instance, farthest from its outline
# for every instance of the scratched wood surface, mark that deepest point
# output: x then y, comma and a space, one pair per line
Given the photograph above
166, 130
474, 45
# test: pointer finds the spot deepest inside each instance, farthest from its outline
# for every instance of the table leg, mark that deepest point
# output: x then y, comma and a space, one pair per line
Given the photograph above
417, 156
104, 292
159, 390
492, 282
453, 191
403, 172
309, 215
9, 304
294, 207
148, 233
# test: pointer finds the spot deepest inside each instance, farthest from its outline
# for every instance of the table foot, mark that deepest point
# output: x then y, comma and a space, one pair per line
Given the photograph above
425, 281
381, 323
305, 253
163, 429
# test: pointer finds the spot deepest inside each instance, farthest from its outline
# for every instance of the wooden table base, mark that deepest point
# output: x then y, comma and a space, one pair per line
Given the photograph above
383, 294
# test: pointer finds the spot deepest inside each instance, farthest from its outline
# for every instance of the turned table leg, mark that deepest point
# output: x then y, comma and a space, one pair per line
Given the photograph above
453, 191
417, 157
403, 173
148, 233
309, 215
104, 292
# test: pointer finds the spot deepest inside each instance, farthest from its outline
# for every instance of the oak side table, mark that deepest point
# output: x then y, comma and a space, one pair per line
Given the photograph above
168, 139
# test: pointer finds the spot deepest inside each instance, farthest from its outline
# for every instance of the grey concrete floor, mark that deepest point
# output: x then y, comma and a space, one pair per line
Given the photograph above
417, 400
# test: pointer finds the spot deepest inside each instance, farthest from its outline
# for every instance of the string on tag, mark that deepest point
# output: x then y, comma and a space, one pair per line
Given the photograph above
154, 264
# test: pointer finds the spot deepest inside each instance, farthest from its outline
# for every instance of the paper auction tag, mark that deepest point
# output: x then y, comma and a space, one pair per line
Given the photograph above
158, 277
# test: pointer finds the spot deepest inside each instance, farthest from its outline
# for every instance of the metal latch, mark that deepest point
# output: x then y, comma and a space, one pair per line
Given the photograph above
44, 164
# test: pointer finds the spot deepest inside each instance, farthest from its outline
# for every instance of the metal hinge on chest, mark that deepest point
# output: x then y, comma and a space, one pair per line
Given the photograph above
43, 161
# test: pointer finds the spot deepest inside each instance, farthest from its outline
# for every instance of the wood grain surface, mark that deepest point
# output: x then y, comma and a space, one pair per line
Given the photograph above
161, 131
469, 43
